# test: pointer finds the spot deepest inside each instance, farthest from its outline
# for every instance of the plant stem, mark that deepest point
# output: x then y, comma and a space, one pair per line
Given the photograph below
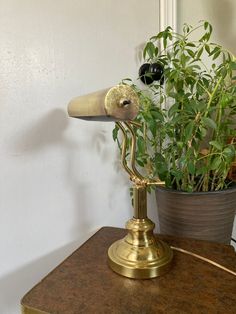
212, 96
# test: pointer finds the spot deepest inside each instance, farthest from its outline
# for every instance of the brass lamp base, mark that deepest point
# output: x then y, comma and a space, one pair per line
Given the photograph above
140, 255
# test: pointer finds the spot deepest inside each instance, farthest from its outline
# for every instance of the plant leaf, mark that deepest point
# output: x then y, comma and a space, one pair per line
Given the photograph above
215, 163
216, 144
115, 133
189, 130
209, 122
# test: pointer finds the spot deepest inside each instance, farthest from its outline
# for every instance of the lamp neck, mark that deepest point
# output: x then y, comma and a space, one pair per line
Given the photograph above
140, 201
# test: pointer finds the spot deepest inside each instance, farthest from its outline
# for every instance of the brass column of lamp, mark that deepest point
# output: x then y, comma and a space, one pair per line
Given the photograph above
140, 254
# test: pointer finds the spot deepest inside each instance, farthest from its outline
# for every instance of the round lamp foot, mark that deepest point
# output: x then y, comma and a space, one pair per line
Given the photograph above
140, 255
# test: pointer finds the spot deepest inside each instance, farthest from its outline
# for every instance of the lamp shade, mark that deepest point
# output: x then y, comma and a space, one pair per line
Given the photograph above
119, 103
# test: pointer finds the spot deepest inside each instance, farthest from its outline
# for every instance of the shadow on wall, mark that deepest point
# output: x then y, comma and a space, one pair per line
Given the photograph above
50, 132
223, 13
14, 285
47, 132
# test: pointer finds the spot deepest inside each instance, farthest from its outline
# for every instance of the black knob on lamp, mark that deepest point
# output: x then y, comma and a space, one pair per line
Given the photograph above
150, 72
143, 71
157, 71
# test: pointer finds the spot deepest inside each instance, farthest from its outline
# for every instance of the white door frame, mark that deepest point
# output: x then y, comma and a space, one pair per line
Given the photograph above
167, 14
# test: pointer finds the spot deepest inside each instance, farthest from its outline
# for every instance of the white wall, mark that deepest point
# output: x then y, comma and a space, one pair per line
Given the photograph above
59, 177
221, 14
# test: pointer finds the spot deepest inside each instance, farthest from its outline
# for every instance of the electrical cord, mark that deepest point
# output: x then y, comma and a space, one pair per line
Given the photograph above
204, 259
232, 239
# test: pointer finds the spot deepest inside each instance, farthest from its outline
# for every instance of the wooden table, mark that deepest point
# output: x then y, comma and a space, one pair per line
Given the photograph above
83, 283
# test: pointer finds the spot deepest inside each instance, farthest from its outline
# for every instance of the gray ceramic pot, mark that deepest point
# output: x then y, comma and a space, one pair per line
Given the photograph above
204, 215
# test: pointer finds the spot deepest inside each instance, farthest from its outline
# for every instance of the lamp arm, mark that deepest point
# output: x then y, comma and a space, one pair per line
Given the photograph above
133, 153
123, 151
135, 175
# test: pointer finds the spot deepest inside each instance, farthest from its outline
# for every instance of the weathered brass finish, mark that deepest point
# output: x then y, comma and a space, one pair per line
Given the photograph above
139, 255
140, 202
114, 104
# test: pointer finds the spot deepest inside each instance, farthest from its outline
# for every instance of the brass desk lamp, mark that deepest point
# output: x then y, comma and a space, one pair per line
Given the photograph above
139, 255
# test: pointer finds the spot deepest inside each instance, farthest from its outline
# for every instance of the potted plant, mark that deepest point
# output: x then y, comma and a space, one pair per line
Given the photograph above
188, 117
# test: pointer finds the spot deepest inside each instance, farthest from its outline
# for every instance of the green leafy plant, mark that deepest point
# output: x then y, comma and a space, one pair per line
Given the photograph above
188, 121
